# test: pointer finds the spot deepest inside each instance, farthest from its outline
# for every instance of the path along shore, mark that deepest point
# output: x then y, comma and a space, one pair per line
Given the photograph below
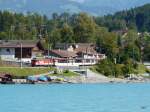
90, 80
93, 77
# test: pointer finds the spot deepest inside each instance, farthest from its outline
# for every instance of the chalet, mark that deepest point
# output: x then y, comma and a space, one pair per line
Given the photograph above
63, 54
82, 50
15, 50
74, 54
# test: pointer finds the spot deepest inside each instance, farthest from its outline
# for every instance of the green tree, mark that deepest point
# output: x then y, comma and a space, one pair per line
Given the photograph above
133, 52
54, 37
67, 34
3, 36
106, 67
147, 53
84, 28
107, 43
128, 67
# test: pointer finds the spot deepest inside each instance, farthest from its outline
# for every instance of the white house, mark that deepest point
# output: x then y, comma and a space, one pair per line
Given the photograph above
15, 50
7, 53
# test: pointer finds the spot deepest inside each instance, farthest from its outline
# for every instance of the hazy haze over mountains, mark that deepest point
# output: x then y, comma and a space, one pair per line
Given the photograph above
94, 7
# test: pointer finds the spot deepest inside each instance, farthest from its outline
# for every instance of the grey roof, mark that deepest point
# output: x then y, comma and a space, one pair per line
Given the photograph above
64, 53
78, 47
17, 43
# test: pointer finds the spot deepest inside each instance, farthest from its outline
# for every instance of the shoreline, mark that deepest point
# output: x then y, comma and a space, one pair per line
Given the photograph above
90, 78
82, 80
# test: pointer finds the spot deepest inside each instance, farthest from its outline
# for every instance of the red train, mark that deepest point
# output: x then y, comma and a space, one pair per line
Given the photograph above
42, 62
63, 62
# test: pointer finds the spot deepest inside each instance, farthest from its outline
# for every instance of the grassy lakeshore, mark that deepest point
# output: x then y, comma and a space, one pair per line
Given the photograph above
24, 72
119, 70
16, 71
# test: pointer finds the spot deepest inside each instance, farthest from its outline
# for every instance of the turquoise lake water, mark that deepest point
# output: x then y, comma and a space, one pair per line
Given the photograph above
75, 98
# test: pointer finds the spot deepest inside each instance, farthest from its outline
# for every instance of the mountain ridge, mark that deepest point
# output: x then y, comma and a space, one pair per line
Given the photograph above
93, 7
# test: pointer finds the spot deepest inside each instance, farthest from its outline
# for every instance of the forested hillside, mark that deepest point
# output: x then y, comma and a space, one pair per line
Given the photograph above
137, 19
32, 25
61, 28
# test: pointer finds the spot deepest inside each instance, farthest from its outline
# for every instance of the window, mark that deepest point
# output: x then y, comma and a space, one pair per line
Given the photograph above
8, 50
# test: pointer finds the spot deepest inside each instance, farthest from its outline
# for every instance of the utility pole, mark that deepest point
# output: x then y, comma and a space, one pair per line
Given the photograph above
12, 28
22, 26
48, 46
21, 54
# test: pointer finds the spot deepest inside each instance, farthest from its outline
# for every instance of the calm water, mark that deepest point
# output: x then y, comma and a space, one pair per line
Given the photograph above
75, 98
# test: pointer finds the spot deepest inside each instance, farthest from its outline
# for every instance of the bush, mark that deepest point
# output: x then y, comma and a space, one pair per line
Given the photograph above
66, 71
129, 67
55, 72
118, 70
106, 67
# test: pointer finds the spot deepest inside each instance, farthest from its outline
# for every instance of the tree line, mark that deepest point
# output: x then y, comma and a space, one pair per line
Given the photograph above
135, 18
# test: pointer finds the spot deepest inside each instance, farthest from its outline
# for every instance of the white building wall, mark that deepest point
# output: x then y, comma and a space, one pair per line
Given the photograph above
70, 49
89, 56
7, 53
147, 65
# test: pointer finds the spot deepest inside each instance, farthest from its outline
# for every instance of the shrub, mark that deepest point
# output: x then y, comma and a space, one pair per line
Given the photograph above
106, 67
55, 72
66, 71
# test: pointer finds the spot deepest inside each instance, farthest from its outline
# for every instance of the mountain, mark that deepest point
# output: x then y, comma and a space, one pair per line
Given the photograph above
94, 7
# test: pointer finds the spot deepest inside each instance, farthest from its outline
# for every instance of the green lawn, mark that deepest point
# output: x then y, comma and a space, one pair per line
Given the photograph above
67, 74
23, 72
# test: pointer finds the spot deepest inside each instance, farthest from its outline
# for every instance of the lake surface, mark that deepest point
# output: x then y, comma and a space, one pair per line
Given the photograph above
75, 98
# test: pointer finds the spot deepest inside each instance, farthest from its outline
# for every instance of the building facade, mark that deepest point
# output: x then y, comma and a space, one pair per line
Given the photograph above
15, 50
76, 54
